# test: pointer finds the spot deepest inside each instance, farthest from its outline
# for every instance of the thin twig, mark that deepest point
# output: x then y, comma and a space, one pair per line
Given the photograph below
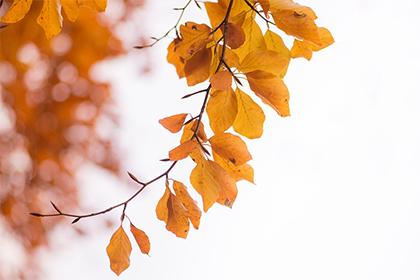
259, 13
156, 40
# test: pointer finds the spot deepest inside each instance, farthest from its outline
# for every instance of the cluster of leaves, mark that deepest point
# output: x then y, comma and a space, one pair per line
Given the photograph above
233, 47
229, 51
50, 111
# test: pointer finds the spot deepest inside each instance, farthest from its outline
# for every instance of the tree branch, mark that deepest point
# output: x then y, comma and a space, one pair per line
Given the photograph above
167, 171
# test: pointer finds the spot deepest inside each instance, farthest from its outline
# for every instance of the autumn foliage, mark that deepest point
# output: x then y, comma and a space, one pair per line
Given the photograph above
241, 56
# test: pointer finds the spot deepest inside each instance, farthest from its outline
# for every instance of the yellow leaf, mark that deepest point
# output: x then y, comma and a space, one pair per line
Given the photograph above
235, 36
254, 39
300, 49
230, 147
213, 183
119, 250
264, 60
141, 238
173, 123
221, 110
221, 80
183, 150
175, 60
249, 121
17, 11
197, 68
194, 213
172, 212
275, 43
50, 18
305, 48
271, 90
238, 172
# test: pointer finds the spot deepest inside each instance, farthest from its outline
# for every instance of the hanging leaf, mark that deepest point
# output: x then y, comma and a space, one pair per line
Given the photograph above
119, 250
141, 238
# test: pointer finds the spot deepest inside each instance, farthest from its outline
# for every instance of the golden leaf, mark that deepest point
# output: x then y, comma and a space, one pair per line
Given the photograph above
264, 60
231, 147
305, 48
213, 183
250, 118
221, 109
238, 172
254, 39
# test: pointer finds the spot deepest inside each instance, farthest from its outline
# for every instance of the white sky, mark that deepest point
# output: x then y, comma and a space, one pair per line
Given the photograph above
338, 183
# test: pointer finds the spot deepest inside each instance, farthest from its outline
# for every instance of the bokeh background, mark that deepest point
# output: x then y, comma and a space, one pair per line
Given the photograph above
337, 192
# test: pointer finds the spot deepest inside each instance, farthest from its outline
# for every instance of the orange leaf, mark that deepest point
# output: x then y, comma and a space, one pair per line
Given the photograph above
175, 60
119, 250
183, 150
197, 68
141, 238
231, 147
194, 213
221, 80
194, 37
235, 36
173, 123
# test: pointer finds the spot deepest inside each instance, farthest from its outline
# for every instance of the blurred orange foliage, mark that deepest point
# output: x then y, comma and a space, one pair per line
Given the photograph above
50, 109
